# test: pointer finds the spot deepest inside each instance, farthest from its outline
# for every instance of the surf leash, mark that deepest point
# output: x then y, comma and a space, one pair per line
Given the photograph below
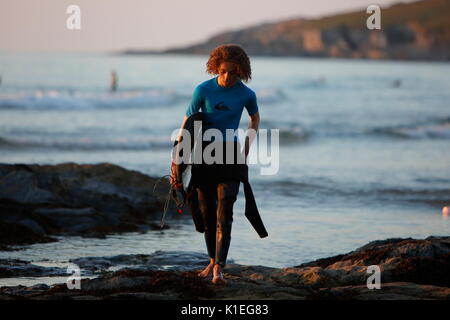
175, 188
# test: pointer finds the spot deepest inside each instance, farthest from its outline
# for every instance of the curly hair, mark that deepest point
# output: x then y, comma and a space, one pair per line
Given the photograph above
230, 53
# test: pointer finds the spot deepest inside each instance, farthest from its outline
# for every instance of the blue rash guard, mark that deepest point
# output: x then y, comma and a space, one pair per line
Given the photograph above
222, 106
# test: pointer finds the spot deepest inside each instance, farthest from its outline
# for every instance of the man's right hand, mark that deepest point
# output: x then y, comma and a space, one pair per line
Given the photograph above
175, 181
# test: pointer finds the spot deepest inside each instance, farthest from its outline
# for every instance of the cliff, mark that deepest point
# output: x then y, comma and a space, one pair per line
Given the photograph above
418, 30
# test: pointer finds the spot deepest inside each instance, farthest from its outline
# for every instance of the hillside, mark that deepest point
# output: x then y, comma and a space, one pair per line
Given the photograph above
418, 30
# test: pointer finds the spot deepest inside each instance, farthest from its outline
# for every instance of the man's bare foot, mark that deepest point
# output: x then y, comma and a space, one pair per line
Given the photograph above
207, 271
217, 275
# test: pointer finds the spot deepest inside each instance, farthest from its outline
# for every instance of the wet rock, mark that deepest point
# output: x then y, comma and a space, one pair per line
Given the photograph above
38, 201
144, 284
23, 291
18, 234
93, 266
159, 260
12, 268
421, 263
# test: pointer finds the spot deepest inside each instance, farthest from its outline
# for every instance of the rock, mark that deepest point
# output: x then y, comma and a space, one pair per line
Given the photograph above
72, 219
38, 201
93, 266
159, 260
18, 234
388, 291
12, 268
144, 284
410, 269
419, 261
20, 184
23, 291
32, 225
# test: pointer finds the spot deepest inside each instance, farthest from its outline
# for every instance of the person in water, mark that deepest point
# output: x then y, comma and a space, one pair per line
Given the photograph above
222, 100
113, 81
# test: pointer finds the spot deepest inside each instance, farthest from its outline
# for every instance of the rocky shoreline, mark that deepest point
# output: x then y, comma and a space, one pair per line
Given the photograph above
38, 202
410, 269
41, 202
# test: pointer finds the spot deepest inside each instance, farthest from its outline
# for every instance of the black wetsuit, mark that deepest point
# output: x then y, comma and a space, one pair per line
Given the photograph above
214, 189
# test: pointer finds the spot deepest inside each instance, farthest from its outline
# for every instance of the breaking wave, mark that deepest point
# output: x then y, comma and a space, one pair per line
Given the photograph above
67, 100
86, 143
439, 129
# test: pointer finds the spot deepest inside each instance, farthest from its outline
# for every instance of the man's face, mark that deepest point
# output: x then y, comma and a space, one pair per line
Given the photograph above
228, 74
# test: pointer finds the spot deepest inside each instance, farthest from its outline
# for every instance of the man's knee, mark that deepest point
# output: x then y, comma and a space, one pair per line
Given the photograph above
227, 199
227, 192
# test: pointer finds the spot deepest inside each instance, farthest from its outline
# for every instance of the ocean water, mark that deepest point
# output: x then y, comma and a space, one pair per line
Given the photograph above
364, 146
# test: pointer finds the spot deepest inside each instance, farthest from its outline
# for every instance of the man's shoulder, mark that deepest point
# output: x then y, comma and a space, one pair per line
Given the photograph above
247, 89
205, 84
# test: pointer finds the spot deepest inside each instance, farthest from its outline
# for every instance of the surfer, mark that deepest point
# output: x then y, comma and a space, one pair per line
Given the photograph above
113, 81
222, 100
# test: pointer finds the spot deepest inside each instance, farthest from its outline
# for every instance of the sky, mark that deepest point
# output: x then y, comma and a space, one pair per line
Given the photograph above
114, 25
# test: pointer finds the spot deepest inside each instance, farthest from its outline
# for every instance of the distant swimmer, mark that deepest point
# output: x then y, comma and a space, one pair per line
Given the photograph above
113, 80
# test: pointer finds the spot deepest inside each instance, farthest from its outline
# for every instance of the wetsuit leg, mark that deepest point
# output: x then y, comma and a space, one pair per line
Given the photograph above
227, 192
207, 198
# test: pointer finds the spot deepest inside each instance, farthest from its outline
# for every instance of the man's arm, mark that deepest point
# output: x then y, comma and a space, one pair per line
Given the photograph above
251, 134
182, 126
175, 176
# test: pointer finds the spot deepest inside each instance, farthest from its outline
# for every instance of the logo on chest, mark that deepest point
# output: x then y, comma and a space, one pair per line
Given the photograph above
222, 106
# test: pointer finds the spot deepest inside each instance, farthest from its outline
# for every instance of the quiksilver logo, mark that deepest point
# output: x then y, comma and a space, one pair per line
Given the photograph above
221, 106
